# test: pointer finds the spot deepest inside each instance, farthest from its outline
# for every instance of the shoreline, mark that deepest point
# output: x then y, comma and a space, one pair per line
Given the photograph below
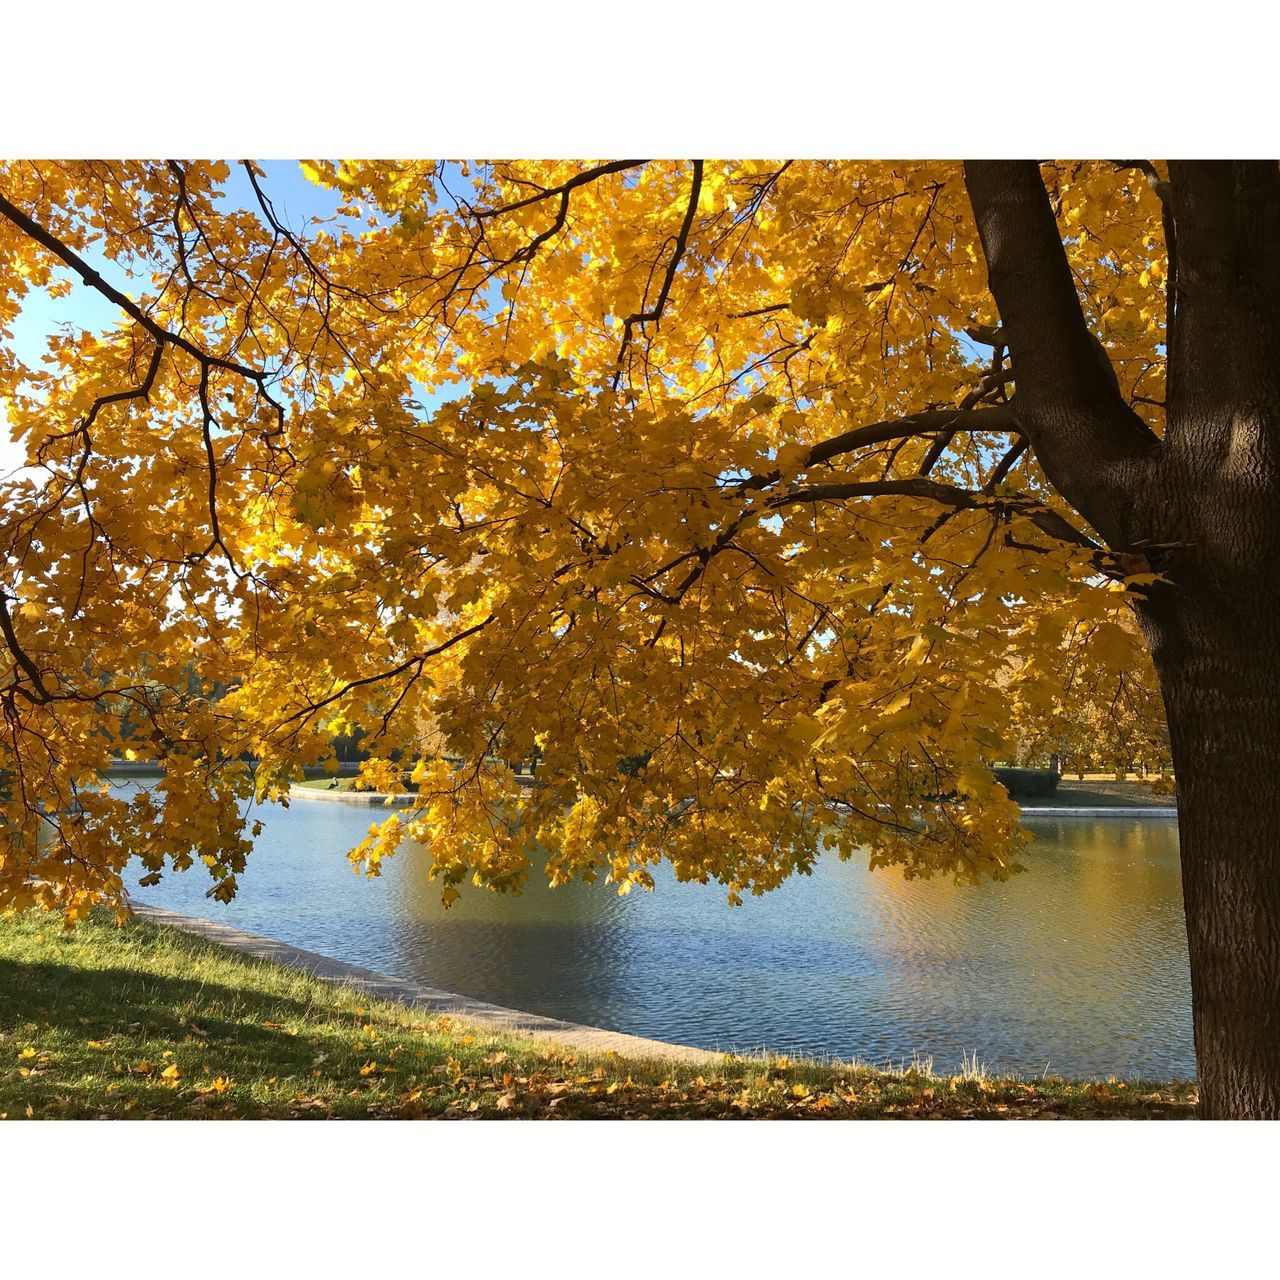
405, 799
384, 986
392, 799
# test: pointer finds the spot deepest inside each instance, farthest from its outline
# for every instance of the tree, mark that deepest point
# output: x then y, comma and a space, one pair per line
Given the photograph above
1110, 714
757, 497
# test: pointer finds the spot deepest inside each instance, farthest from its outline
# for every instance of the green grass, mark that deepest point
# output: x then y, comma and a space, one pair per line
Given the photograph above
1102, 794
326, 784
145, 1021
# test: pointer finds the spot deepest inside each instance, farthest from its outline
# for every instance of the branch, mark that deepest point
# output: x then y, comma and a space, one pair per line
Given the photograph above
206, 432
141, 392
1093, 447
994, 418
20, 656
90, 277
578, 180
273, 221
915, 487
528, 252
682, 239
417, 660
1005, 465
1044, 518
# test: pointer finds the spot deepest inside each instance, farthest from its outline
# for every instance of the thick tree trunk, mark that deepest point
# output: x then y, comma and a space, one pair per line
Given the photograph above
1204, 500
1216, 646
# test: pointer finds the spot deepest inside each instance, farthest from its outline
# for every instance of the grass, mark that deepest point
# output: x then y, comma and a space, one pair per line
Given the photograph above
1101, 793
149, 1022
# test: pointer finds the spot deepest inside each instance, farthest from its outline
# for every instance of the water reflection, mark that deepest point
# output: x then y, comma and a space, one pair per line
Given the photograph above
1078, 966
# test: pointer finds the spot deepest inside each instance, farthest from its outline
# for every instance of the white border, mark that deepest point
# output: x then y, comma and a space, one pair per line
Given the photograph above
669, 77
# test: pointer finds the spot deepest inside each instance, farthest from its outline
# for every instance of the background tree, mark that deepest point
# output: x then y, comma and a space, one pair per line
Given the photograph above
1110, 715
765, 474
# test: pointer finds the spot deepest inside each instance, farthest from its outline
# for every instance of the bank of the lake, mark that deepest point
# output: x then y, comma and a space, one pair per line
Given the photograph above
1103, 793
148, 1021
1093, 797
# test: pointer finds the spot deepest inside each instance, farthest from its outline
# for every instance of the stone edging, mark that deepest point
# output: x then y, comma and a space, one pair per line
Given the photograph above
392, 798
383, 986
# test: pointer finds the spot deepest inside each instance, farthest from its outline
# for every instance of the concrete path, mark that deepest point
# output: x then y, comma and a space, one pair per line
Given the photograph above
385, 987
393, 798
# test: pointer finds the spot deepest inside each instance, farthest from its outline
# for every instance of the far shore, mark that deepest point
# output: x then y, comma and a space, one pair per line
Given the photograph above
1092, 797
1095, 795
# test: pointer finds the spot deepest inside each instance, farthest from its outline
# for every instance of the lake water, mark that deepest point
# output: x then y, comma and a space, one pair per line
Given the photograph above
1078, 966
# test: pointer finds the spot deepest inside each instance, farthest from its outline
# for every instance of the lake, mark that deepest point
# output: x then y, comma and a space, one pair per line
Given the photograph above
1077, 967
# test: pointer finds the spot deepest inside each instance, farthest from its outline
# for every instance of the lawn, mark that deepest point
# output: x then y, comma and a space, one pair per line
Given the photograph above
148, 1022
327, 784
1101, 793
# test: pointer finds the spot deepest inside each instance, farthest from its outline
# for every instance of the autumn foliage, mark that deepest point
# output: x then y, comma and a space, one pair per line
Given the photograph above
698, 480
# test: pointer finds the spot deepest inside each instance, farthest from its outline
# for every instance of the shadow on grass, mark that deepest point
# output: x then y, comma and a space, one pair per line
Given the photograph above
95, 1041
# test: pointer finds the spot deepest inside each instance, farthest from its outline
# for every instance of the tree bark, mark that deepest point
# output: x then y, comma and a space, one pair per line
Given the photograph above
1215, 649
1215, 629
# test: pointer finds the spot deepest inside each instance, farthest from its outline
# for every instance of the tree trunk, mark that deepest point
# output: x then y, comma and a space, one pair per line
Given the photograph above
1216, 646
1201, 501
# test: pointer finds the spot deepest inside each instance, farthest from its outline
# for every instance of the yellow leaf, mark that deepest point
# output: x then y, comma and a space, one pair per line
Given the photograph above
919, 650
791, 458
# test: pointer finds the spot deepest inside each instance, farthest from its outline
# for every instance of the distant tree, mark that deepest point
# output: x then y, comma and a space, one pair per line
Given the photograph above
1109, 715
